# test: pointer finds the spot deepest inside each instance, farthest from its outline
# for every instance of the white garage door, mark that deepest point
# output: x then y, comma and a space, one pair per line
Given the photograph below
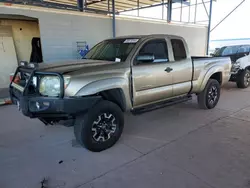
8, 58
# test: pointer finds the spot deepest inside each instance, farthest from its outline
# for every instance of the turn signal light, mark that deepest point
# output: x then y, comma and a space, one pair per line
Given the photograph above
16, 80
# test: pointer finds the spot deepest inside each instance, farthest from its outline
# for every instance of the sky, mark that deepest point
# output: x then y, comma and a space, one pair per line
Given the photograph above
234, 27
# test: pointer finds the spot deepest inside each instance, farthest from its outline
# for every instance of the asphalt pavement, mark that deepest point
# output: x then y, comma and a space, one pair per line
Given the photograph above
180, 146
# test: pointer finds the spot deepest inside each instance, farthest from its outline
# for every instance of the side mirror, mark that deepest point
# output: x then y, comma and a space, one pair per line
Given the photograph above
145, 58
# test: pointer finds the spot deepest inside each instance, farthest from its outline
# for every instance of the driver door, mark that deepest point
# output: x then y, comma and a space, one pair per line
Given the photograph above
152, 80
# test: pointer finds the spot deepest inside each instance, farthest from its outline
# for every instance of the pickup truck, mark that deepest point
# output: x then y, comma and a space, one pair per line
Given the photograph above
240, 58
126, 74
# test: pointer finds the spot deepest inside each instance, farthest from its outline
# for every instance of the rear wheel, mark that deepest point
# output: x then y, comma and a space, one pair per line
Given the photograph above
243, 79
101, 127
209, 97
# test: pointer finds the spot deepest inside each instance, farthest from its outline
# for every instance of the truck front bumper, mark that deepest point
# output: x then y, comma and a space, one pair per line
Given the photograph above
233, 77
52, 108
234, 74
49, 107
34, 105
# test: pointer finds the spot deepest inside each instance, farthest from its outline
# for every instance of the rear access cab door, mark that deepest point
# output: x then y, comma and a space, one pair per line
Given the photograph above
182, 67
163, 78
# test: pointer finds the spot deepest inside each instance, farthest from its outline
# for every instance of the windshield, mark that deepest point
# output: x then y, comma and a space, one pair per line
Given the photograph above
112, 50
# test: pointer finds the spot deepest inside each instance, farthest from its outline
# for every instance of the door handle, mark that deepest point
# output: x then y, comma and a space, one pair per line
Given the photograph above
168, 69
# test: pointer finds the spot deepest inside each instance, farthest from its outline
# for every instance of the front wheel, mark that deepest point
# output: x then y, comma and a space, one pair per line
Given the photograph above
101, 127
209, 97
243, 79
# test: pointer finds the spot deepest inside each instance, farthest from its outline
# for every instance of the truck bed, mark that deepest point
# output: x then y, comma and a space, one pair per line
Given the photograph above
202, 64
205, 57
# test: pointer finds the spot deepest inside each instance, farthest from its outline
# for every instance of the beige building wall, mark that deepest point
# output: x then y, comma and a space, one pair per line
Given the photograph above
195, 36
60, 30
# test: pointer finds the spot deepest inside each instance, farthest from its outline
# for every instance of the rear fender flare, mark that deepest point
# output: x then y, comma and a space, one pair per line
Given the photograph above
208, 75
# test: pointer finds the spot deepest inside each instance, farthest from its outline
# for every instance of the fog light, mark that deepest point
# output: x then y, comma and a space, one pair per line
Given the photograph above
37, 105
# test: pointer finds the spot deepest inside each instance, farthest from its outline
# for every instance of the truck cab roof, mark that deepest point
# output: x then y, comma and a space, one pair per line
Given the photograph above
147, 36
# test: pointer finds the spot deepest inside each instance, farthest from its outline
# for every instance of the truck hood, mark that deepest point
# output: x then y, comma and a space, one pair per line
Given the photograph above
72, 66
244, 61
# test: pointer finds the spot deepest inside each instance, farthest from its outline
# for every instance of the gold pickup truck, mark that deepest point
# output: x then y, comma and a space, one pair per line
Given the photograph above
133, 73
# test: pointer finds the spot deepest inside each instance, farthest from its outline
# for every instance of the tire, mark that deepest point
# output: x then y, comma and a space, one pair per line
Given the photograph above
243, 79
209, 97
101, 127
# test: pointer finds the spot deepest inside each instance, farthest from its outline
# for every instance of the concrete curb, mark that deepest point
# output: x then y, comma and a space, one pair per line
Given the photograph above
5, 101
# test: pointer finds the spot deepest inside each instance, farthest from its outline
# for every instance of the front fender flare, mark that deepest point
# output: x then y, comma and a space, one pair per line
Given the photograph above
107, 84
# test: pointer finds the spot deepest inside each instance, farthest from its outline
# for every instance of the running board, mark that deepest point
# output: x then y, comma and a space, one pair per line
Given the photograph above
161, 105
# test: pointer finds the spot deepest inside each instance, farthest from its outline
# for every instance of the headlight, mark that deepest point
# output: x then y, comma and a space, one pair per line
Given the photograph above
50, 86
236, 64
235, 67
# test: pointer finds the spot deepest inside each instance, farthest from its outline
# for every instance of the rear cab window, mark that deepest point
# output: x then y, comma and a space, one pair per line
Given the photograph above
179, 50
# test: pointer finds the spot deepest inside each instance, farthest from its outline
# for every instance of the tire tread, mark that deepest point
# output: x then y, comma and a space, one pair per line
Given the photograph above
202, 96
240, 79
83, 126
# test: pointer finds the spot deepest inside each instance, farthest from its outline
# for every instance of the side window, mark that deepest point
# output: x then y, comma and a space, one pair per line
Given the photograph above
242, 49
248, 48
157, 48
178, 49
230, 50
